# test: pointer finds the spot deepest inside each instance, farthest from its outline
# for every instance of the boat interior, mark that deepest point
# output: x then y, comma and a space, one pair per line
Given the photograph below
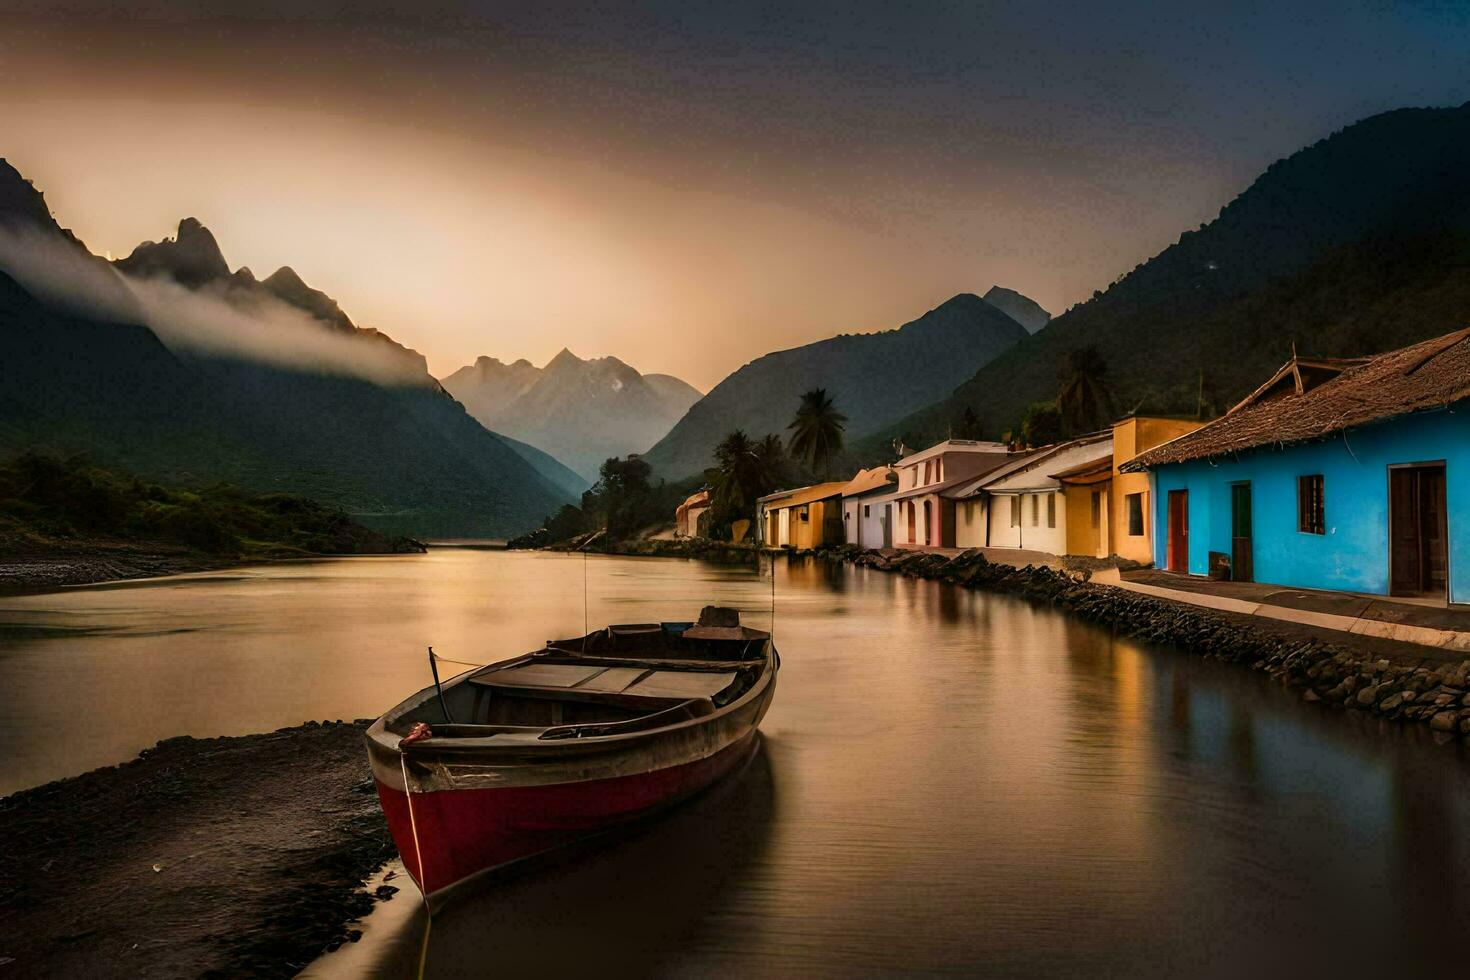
616, 680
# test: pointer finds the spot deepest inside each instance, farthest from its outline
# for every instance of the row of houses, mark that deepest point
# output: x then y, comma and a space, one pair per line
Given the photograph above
1066, 499
1345, 474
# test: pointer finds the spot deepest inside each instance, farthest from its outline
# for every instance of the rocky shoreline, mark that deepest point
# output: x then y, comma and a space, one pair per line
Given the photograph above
201, 857
1409, 684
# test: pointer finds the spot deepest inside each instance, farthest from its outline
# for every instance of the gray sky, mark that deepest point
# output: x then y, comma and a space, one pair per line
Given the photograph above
686, 186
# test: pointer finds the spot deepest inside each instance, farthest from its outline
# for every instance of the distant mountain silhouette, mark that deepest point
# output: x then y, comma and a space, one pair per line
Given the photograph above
1023, 309
401, 457
873, 379
580, 411
1357, 244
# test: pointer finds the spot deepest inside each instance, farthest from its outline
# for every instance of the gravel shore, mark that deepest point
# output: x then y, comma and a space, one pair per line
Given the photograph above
202, 857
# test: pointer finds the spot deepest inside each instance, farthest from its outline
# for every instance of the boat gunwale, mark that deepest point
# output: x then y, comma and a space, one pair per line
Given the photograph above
379, 737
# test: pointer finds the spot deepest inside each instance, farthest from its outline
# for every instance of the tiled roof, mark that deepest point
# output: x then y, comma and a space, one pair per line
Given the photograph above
801, 495
1288, 409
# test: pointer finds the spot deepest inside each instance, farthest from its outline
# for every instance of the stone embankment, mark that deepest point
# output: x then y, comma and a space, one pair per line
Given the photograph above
1345, 674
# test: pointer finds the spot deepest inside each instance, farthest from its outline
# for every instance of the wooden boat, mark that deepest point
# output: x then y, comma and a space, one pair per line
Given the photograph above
506, 761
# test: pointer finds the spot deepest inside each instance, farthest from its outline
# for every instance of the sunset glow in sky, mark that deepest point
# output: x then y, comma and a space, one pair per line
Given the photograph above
684, 188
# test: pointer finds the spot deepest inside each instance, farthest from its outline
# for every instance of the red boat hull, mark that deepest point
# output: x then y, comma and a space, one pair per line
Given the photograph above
452, 835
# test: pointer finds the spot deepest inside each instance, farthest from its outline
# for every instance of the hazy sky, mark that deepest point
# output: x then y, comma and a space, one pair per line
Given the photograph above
685, 187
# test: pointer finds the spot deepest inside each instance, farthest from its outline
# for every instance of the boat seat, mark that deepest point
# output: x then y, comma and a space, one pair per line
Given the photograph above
693, 708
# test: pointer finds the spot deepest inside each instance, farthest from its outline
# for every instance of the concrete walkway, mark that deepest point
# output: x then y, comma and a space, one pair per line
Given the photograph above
1407, 622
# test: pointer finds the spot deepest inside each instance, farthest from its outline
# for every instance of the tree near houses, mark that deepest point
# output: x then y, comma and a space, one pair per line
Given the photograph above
817, 429
744, 470
1041, 425
622, 497
1084, 400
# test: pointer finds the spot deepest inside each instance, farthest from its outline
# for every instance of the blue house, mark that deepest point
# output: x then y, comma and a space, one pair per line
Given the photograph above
1345, 474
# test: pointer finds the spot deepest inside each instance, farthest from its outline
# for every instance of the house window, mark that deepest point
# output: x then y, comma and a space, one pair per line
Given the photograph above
1135, 514
1015, 511
804, 515
1051, 510
1096, 508
1311, 515
867, 510
1035, 511
939, 468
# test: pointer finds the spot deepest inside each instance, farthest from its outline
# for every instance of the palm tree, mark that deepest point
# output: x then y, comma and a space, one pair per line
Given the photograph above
735, 479
817, 429
1084, 399
770, 458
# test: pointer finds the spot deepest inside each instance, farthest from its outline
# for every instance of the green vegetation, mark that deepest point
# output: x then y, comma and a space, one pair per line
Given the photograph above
623, 502
744, 471
46, 501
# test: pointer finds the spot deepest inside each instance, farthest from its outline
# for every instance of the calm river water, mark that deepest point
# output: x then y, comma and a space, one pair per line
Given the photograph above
949, 782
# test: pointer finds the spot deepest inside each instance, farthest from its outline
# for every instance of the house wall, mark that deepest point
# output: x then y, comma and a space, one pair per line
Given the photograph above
1131, 437
1353, 554
862, 520
1083, 537
969, 523
691, 521
924, 535
1032, 534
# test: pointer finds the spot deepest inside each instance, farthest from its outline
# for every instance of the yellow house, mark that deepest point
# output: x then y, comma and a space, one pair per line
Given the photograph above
801, 518
1108, 511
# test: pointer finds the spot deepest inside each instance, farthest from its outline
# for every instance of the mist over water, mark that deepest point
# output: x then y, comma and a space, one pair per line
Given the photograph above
949, 781
205, 321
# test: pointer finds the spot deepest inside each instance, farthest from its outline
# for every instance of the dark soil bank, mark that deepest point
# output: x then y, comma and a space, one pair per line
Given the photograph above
213, 857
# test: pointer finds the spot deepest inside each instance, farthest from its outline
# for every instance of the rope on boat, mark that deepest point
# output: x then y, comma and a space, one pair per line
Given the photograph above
462, 663
413, 827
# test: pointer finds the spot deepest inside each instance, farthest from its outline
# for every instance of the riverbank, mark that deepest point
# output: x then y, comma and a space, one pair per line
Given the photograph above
27, 568
202, 857
1398, 682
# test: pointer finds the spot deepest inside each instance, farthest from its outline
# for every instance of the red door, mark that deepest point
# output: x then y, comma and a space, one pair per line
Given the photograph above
1178, 555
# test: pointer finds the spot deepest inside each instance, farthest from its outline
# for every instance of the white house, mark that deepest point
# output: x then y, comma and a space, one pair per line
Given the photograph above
865, 507
1022, 504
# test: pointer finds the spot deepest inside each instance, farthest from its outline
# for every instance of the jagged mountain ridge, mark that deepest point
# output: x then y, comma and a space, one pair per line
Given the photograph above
580, 411
872, 378
1356, 244
403, 458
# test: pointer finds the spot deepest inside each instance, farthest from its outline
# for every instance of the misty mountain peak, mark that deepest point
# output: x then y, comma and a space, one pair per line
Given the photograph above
192, 258
1019, 307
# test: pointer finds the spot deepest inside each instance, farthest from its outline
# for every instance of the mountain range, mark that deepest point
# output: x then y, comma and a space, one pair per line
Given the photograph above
580, 411
873, 379
1357, 244
176, 368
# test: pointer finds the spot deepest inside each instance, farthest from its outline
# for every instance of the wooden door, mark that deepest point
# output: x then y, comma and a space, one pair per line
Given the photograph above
1178, 544
911, 538
1241, 567
1417, 531
929, 524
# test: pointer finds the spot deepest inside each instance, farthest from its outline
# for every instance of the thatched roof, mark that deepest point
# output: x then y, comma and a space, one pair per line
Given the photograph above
1312, 399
